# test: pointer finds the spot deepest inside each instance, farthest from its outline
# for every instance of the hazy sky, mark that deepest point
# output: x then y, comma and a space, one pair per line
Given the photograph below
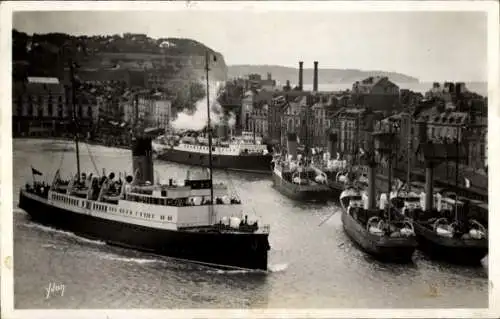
427, 45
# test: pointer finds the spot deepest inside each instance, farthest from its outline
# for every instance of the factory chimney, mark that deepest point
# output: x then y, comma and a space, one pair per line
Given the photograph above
301, 74
315, 79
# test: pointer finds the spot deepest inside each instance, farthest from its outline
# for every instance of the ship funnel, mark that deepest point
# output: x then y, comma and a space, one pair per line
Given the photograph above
292, 145
223, 130
332, 145
142, 159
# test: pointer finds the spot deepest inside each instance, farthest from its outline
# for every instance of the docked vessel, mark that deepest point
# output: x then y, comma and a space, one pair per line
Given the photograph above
448, 232
339, 173
294, 177
383, 233
194, 220
446, 227
386, 238
241, 153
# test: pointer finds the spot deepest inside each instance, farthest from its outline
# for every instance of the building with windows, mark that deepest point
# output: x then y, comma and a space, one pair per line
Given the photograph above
259, 120
43, 106
377, 93
274, 114
154, 109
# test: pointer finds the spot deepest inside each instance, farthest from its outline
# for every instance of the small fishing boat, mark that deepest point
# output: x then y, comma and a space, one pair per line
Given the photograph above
294, 177
299, 181
449, 233
406, 202
386, 238
336, 173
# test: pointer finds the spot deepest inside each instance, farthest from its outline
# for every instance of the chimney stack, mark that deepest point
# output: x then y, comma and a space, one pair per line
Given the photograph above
315, 79
301, 71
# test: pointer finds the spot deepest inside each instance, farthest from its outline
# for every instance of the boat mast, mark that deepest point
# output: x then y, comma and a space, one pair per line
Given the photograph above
209, 138
254, 123
75, 124
456, 172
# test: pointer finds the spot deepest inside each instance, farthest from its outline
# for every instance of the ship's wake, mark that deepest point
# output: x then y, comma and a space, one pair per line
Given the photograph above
137, 260
64, 233
273, 268
278, 267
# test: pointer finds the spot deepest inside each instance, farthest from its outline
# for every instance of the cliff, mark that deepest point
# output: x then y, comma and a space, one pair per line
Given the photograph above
325, 76
172, 58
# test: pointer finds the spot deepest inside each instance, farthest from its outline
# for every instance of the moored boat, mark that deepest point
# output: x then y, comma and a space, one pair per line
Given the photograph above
378, 235
295, 178
446, 227
449, 233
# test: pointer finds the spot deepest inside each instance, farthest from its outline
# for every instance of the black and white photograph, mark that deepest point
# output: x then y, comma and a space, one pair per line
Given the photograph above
227, 157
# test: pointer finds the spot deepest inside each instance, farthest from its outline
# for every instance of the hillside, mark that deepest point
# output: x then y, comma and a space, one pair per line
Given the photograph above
42, 55
326, 76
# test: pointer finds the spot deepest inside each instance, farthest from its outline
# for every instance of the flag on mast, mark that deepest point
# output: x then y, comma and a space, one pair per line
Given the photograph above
34, 171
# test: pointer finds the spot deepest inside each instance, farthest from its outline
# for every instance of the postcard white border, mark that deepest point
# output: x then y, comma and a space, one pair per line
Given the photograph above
6, 229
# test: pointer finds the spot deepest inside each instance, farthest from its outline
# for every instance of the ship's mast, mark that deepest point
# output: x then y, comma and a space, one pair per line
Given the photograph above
75, 123
409, 147
209, 138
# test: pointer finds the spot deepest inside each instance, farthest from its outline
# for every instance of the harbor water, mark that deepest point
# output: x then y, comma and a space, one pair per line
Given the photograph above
312, 264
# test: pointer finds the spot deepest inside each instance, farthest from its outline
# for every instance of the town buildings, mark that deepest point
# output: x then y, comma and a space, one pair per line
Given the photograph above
251, 104
44, 106
154, 109
274, 115
377, 93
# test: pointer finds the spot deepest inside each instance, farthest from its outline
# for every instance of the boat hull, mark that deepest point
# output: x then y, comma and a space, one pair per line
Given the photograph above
382, 248
246, 163
336, 187
300, 193
455, 250
226, 250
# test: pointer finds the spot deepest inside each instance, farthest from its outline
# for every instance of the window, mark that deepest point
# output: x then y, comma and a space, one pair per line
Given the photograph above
50, 106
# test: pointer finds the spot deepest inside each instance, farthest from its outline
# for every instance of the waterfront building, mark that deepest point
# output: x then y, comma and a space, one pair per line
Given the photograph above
324, 112
274, 114
155, 109
251, 100
259, 120
43, 106
377, 93
353, 127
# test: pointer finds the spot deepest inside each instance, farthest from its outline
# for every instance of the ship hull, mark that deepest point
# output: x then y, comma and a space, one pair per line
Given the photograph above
300, 193
246, 163
455, 250
220, 249
382, 248
336, 188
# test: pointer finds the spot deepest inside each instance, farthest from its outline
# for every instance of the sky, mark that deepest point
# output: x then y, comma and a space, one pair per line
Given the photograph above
432, 46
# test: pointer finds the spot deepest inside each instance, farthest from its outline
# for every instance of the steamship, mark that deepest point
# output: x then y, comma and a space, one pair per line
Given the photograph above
294, 177
384, 234
244, 153
194, 220
446, 226
447, 229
